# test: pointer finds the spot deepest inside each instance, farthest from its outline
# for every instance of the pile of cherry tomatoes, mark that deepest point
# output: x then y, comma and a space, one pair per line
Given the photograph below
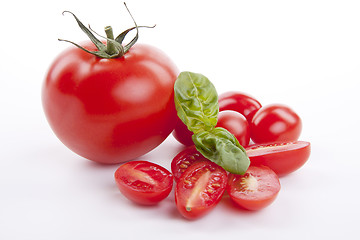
268, 133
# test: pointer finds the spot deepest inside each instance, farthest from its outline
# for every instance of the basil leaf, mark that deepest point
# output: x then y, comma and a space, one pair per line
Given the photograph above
221, 147
196, 101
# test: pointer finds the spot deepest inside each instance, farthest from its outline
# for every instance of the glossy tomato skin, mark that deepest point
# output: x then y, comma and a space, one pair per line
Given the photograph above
184, 159
200, 189
182, 134
239, 102
144, 182
275, 123
282, 158
236, 124
111, 110
254, 190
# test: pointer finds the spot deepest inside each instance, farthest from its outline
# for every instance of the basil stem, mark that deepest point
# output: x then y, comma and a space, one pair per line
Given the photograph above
196, 102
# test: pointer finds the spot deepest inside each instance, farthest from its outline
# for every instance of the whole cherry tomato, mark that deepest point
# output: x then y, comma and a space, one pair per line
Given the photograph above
254, 190
275, 123
144, 182
239, 102
200, 189
283, 158
182, 133
236, 124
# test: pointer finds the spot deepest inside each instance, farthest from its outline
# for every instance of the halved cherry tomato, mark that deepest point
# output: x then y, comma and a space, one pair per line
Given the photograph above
254, 190
236, 124
275, 123
282, 158
239, 102
144, 182
184, 159
200, 189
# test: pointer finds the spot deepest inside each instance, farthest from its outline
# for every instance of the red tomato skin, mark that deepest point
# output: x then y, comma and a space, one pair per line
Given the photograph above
209, 200
111, 110
275, 123
269, 187
282, 158
239, 102
128, 183
236, 124
182, 134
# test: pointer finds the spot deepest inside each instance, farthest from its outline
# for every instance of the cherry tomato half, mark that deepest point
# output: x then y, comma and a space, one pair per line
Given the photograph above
200, 189
184, 159
111, 110
239, 102
282, 158
236, 124
275, 123
144, 182
254, 190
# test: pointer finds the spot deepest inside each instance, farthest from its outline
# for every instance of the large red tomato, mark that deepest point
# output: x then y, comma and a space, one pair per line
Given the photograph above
111, 110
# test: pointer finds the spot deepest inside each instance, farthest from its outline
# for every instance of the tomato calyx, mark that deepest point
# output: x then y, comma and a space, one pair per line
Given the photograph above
114, 46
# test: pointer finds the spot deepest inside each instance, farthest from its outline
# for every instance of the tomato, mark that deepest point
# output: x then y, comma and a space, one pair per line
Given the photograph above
239, 102
111, 110
184, 159
144, 182
282, 158
254, 190
200, 189
182, 133
236, 124
275, 123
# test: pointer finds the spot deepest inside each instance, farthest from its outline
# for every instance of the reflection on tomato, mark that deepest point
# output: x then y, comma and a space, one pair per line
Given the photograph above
275, 123
111, 110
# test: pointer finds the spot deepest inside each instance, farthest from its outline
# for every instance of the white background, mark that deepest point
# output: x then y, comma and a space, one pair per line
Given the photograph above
305, 54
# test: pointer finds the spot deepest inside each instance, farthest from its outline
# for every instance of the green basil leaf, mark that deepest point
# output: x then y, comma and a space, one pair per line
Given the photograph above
196, 101
221, 147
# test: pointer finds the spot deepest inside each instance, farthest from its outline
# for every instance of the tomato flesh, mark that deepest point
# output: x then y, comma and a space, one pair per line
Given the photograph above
144, 182
282, 158
200, 189
184, 159
254, 190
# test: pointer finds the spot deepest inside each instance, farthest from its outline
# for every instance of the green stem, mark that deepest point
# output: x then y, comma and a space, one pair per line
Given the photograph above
111, 48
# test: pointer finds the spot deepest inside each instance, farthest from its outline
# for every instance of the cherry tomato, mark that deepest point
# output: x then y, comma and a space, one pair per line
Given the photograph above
282, 158
182, 133
254, 190
144, 182
236, 124
200, 189
275, 123
111, 110
239, 102
184, 159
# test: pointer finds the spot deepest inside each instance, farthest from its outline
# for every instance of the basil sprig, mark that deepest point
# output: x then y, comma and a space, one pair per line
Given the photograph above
196, 102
